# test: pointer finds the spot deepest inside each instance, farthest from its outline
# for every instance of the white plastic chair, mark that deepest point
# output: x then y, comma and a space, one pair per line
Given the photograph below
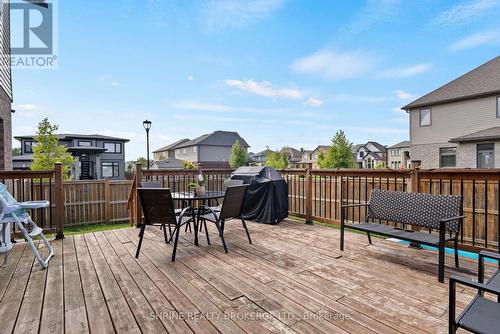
15, 212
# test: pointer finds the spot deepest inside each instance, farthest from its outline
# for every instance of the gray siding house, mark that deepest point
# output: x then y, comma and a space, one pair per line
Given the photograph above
211, 150
398, 155
370, 154
458, 124
5, 89
97, 156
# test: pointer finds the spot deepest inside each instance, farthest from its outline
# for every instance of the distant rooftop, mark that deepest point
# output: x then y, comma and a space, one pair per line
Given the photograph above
216, 138
171, 146
404, 143
67, 136
481, 81
487, 134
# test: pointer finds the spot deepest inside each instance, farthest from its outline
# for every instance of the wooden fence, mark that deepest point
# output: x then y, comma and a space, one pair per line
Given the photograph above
319, 194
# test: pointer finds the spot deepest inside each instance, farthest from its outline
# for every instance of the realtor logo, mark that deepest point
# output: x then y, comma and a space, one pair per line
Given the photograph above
33, 28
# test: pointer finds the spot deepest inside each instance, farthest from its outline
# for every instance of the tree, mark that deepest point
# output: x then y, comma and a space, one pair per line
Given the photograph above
189, 165
47, 150
339, 155
276, 160
16, 151
238, 156
380, 165
143, 161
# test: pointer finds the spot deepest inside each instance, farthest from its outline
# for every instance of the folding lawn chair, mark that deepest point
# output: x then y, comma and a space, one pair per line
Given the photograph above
15, 212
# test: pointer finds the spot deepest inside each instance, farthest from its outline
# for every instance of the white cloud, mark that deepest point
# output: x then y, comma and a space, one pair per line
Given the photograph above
334, 65
405, 72
218, 15
221, 108
465, 11
109, 80
402, 95
27, 109
356, 98
313, 102
265, 88
190, 78
477, 39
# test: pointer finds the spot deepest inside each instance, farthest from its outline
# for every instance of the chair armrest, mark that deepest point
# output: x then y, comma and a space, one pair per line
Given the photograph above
355, 205
473, 284
490, 255
485, 254
452, 219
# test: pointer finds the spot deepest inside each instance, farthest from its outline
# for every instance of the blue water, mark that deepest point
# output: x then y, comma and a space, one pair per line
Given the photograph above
462, 253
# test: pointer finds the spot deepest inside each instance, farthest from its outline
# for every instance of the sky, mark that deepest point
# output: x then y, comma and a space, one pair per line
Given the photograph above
279, 72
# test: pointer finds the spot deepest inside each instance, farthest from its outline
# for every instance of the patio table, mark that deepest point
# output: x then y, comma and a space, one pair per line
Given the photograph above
191, 199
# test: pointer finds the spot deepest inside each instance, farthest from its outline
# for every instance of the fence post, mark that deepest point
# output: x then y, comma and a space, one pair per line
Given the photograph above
309, 199
107, 201
414, 177
59, 198
414, 187
138, 208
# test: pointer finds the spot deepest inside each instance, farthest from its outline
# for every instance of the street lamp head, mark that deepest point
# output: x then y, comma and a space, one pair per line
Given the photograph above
147, 124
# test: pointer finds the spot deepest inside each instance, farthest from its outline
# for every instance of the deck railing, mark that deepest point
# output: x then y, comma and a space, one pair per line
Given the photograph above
319, 194
39, 185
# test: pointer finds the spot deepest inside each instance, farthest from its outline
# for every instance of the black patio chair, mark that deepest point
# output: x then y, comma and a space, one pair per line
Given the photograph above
151, 184
227, 183
231, 208
481, 315
158, 208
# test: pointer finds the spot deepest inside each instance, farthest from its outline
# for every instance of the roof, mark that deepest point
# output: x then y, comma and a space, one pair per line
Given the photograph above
171, 146
373, 154
404, 143
261, 153
216, 138
169, 163
481, 81
487, 134
293, 152
321, 147
356, 147
380, 147
67, 136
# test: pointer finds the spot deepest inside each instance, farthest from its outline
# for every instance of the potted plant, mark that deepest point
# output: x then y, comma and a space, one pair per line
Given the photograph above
198, 185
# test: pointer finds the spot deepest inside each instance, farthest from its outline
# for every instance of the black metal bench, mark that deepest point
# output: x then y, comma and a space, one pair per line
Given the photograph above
481, 315
435, 212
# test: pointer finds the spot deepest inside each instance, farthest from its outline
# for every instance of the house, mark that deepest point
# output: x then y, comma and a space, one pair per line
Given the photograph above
293, 155
5, 89
315, 154
211, 150
97, 156
399, 155
260, 158
458, 124
370, 154
306, 161
168, 151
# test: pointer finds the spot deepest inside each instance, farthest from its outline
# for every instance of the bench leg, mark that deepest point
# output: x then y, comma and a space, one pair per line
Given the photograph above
441, 264
342, 237
456, 253
369, 238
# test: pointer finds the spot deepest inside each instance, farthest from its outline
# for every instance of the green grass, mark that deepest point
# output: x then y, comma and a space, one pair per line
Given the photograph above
75, 230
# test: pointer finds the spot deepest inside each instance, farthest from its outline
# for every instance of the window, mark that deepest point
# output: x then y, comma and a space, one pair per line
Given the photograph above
498, 106
486, 155
178, 151
361, 154
425, 117
84, 143
194, 149
28, 146
113, 147
448, 157
110, 169
184, 150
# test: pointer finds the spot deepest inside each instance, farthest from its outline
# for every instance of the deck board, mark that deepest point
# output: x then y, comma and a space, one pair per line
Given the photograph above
292, 279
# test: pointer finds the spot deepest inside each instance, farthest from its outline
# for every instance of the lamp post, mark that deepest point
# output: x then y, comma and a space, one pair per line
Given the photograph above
147, 126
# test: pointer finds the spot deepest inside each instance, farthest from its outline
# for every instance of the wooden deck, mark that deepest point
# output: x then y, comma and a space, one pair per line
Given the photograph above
293, 279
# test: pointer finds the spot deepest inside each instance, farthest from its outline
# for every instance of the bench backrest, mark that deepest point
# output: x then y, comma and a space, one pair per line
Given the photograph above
418, 209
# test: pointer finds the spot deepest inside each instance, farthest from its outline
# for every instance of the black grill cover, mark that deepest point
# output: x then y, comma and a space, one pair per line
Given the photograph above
266, 200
